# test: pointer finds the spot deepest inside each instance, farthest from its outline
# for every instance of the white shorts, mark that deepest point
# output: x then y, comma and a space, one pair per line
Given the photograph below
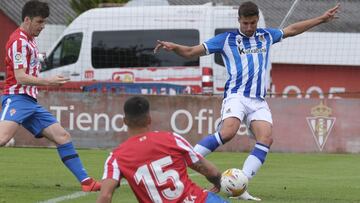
246, 109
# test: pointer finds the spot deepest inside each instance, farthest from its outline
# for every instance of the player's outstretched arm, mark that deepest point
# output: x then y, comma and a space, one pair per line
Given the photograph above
107, 189
302, 26
25, 79
181, 50
209, 170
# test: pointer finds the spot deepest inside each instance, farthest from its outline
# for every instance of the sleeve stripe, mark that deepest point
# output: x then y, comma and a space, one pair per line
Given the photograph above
24, 50
111, 168
14, 51
19, 53
181, 142
282, 34
106, 167
206, 48
182, 139
116, 173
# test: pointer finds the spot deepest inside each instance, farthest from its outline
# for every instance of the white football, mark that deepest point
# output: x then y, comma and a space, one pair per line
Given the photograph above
233, 182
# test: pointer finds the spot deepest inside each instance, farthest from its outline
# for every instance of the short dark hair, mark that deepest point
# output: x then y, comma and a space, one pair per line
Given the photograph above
35, 8
136, 111
248, 9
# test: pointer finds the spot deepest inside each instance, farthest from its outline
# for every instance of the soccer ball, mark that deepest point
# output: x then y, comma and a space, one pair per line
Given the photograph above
233, 182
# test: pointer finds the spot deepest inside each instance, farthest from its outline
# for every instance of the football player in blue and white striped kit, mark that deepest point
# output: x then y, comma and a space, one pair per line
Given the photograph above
245, 53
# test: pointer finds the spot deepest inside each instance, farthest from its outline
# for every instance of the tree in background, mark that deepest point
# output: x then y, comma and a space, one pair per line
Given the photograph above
80, 6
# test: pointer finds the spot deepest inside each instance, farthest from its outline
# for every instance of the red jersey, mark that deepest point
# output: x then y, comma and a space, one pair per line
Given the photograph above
21, 53
155, 166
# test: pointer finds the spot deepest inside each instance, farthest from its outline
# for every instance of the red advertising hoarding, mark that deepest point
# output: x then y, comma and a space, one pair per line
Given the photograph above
300, 125
314, 81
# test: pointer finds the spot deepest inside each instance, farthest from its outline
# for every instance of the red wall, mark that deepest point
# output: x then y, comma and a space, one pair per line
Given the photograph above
7, 27
313, 79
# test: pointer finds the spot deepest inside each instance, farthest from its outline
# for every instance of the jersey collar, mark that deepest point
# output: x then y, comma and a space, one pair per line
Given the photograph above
256, 33
26, 34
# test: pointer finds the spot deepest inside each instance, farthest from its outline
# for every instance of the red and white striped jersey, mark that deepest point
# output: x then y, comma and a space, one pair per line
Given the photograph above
155, 166
21, 53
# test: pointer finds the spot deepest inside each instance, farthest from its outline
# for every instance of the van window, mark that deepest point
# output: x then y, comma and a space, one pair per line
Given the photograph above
134, 48
218, 58
66, 52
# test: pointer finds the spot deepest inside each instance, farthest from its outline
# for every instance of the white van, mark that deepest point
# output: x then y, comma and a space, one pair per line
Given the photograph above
116, 44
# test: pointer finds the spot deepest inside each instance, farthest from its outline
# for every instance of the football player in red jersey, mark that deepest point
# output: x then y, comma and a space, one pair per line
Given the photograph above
154, 163
19, 102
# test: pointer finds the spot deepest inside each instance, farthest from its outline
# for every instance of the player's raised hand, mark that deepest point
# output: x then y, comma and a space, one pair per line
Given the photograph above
168, 46
58, 80
330, 14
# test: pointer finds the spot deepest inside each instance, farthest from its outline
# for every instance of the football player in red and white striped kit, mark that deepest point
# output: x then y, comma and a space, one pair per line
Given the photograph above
154, 163
19, 100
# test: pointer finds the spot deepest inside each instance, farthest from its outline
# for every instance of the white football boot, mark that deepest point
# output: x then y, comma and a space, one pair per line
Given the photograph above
246, 196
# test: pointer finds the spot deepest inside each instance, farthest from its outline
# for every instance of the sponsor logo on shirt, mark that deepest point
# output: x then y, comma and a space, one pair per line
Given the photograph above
262, 38
33, 62
251, 51
18, 58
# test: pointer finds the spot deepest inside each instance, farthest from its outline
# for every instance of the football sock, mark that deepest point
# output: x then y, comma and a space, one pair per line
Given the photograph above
72, 161
255, 160
208, 144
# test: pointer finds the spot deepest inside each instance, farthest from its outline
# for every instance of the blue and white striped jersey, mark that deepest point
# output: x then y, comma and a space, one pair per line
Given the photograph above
246, 59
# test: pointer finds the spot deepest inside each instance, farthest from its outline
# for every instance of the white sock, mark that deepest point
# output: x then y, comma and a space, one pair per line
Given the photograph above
251, 166
208, 144
255, 160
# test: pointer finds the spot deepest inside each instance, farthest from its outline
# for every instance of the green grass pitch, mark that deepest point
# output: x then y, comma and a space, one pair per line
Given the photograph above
37, 175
